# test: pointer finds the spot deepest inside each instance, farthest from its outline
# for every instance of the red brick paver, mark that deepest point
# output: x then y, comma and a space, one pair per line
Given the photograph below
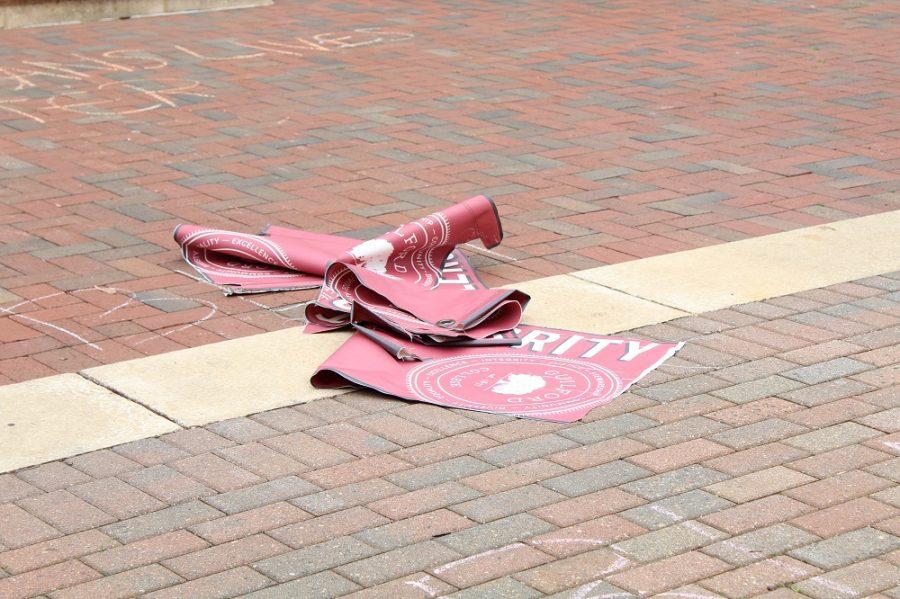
737, 487
605, 132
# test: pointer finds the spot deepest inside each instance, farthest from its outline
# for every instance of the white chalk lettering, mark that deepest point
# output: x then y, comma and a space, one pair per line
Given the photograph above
4, 105
105, 98
20, 81
230, 57
145, 61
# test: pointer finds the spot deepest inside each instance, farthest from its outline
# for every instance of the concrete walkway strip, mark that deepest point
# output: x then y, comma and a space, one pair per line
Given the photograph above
64, 415
223, 380
567, 302
754, 269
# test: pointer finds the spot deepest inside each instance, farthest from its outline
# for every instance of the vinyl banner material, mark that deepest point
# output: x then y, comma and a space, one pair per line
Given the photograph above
426, 327
282, 259
411, 280
278, 259
551, 374
393, 281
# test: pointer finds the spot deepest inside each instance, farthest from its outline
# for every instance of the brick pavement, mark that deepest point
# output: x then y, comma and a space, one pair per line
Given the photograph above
760, 461
605, 133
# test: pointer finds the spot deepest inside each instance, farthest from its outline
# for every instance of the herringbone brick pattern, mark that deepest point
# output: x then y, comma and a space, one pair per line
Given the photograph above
605, 131
761, 461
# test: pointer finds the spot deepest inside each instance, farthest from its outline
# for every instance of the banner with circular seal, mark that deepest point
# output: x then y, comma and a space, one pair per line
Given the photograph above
551, 374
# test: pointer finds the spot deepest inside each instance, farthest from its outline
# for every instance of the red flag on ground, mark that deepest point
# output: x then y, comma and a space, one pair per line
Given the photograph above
552, 374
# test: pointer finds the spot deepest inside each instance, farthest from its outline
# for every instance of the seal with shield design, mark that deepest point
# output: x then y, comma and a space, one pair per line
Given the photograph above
514, 384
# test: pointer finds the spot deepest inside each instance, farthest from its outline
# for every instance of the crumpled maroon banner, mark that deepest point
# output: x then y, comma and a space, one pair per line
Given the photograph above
426, 327
411, 280
242, 263
551, 374
393, 281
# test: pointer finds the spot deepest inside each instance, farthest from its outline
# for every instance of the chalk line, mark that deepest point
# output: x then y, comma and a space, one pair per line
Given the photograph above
10, 310
491, 252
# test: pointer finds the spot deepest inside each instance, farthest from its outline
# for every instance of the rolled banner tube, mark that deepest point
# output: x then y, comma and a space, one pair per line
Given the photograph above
396, 279
388, 344
278, 259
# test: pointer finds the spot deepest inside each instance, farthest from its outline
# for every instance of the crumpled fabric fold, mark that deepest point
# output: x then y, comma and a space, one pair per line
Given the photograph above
412, 280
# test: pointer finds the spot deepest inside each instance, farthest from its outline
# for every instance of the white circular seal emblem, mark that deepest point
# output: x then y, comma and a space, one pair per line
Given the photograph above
514, 384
